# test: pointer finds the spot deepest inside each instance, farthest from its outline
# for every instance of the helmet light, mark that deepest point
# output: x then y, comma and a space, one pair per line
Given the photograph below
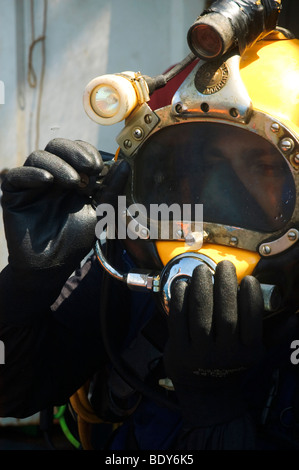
111, 98
208, 39
234, 24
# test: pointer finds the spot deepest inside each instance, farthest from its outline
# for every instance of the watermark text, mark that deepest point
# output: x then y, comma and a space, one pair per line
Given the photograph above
2, 92
295, 354
2, 353
158, 221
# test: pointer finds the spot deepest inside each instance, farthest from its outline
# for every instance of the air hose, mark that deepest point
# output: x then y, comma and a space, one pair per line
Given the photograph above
60, 416
123, 368
159, 81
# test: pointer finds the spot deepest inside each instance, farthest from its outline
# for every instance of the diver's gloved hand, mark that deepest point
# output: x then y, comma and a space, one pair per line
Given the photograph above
215, 334
49, 216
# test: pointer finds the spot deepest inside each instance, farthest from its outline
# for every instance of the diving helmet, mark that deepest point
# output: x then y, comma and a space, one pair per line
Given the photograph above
214, 173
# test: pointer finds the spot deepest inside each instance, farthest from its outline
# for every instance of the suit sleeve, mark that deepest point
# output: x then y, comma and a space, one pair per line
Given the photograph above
50, 351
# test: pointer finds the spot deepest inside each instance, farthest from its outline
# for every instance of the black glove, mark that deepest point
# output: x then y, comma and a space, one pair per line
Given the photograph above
215, 333
49, 216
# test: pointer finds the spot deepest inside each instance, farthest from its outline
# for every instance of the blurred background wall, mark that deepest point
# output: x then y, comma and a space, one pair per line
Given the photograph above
51, 49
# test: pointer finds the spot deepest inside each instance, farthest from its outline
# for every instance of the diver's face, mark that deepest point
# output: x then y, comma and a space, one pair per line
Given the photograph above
240, 178
258, 166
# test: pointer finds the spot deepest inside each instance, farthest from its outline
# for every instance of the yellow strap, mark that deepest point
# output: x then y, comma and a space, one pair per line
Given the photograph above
82, 407
86, 416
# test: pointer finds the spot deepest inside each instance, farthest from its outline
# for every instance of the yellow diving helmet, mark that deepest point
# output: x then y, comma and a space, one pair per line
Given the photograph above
224, 153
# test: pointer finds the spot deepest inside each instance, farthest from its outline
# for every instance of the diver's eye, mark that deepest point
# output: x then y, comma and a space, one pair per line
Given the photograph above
213, 158
267, 168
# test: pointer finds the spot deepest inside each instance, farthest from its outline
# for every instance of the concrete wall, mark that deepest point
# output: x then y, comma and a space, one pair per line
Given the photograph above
83, 39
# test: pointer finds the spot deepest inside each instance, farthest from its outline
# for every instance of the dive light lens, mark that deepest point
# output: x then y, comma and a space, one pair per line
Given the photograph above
105, 101
210, 36
206, 41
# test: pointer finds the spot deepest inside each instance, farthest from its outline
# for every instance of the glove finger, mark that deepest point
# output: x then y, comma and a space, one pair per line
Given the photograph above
26, 178
80, 155
201, 305
251, 310
114, 184
177, 321
94, 154
63, 173
225, 302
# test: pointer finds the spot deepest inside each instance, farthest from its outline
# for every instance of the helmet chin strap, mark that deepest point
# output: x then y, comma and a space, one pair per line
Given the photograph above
180, 267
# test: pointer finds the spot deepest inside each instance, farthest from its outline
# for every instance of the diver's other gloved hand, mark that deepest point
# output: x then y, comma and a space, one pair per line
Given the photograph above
48, 215
215, 333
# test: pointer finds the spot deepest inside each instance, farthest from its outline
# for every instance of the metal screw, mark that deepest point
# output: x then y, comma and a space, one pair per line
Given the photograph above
127, 143
205, 107
234, 112
286, 145
189, 239
144, 233
292, 235
148, 118
138, 133
275, 127
194, 239
296, 158
206, 235
233, 241
178, 108
266, 250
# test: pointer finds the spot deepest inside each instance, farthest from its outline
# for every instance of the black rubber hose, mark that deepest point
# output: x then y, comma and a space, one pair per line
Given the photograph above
123, 369
161, 80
